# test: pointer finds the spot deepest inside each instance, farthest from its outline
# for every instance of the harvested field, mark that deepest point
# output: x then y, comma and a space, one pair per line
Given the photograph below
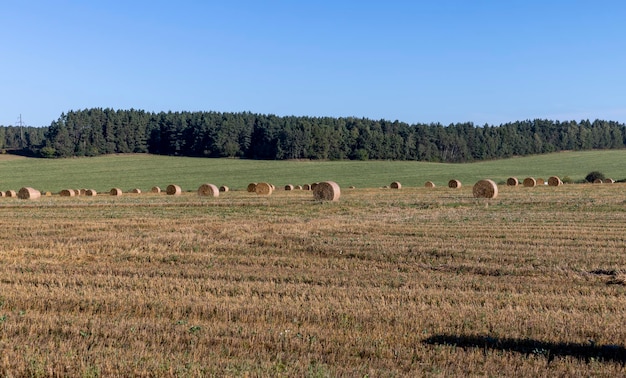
412, 282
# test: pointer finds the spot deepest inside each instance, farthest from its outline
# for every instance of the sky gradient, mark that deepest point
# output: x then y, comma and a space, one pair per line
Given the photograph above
446, 61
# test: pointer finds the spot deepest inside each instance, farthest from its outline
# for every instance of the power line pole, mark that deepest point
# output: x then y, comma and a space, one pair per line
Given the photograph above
21, 125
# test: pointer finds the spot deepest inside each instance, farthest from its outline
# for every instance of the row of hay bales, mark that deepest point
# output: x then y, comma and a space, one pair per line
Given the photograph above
454, 184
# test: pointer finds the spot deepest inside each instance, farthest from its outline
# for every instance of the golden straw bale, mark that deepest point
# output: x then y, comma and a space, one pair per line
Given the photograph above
208, 190
485, 189
224, 188
82, 192
554, 181
429, 184
264, 189
327, 191
352, 187
48, 194
91, 193
155, 189
288, 187
11, 193
395, 185
306, 187
529, 182
597, 181
115, 192
512, 181
28, 193
608, 181
173, 190
252, 187
298, 187
136, 191
3, 194
313, 185
454, 184
67, 193
541, 181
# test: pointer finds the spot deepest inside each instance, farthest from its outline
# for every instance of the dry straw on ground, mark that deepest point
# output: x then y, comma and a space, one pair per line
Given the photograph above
28, 193
224, 188
208, 190
529, 182
327, 191
264, 189
554, 181
115, 192
429, 184
454, 184
512, 181
485, 189
173, 190
395, 185
155, 189
252, 187
288, 187
11, 193
67, 193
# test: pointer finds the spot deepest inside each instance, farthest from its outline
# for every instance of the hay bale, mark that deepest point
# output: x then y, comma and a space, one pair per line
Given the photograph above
597, 181
224, 188
136, 191
512, 181
395, 185
429, 184
327, 191
306, 187
28, 193
485, 189
352, 187
11, 193
608, 181
173, 190
3, 194
67, 193
541, 181
312, 186
288, 187
298, 187
91, 193
155, 189
554, 181
454, 184
82, 192
529, 182
115, 192
208, 190
252, 187
48, 194
263, 189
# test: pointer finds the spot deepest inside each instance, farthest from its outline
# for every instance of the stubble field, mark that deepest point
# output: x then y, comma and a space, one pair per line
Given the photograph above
410, 282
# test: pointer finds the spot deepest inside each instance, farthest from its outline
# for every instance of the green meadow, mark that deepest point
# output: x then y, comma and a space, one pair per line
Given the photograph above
145, 171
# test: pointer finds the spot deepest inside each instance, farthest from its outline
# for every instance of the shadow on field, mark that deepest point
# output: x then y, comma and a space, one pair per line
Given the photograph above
587, 352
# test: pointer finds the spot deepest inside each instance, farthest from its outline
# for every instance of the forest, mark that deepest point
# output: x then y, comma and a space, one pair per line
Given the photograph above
97, 131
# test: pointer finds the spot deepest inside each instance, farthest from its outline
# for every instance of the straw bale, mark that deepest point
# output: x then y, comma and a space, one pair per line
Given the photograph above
352, 187
263, 189
306, 187
313, 185
529, 182
298, 187
136, 191
155, 189
512, 181
91, 192
597, 181
208, 190
454, 184
67, 193
11, 193
224, 188
173, 190
288, 187
429, 184
485, 189
252, 187
3, 194
48, 194
115, 192
327, 191
541, 181
82, 192
395, 185
554, 181
608, 181
28, 193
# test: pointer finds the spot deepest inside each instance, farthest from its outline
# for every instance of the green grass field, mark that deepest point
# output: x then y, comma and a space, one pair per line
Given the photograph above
145, 171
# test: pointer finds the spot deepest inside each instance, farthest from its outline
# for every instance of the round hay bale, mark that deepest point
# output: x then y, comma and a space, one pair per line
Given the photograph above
306, 187
312, 186
288, 187
115, 192
67, 193
136, 191
485, 189
454, 184
155, 189
327, 191
429, 184
554, 181
11, 193
512, 181
263, 189
608, 181
208, 190
597, 181
541, 181
224, 188
352, 187
173, 190
3, 194
28, 193
529, 182
48, 194
82, 192
273, 187
298, 187
395, 185
252, 187
91, 192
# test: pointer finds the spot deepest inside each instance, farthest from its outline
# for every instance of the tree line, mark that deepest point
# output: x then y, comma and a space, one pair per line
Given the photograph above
98, 131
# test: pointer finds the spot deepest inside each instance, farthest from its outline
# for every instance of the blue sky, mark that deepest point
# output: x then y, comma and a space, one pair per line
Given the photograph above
447, 61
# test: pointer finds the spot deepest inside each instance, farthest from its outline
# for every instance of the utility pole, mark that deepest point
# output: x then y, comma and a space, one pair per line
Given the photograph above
21, 125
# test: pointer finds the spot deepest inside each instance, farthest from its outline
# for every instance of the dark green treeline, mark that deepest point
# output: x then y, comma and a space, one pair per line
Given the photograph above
92, 132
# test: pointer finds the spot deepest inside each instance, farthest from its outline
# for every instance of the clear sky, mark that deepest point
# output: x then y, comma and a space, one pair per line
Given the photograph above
444, 61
